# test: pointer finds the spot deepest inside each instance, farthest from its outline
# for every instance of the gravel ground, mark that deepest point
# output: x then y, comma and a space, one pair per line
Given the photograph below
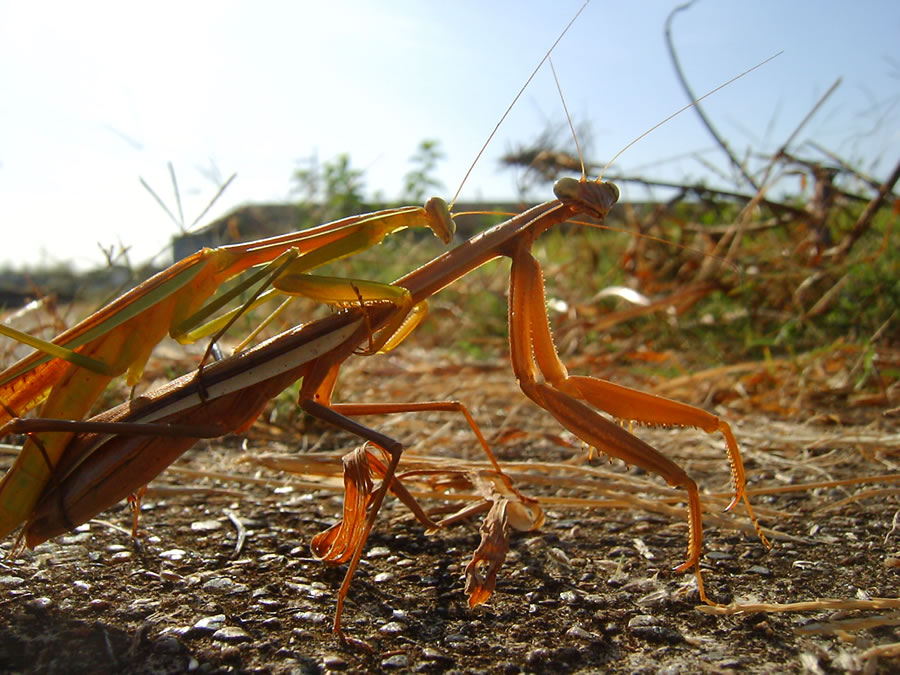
221, 578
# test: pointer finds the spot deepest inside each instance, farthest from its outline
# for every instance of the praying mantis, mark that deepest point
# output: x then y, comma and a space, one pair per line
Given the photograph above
73, 370
115, 453
119, 451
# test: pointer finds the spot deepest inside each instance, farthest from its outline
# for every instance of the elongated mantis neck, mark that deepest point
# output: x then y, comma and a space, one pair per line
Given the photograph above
473, 253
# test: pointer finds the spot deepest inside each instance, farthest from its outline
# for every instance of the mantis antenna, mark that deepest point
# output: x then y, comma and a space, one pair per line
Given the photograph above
687, 107
510, 107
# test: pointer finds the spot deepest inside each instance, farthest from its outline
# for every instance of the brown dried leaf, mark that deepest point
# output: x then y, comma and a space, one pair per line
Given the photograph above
481, 572
509, 509
337, 543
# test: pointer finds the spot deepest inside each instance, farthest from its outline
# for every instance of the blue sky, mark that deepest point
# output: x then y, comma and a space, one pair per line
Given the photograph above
96, 95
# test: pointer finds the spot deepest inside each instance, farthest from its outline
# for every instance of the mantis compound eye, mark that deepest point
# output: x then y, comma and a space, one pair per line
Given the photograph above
566, 189
614, 191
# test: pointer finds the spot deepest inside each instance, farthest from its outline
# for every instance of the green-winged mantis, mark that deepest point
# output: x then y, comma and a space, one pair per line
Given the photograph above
72, 372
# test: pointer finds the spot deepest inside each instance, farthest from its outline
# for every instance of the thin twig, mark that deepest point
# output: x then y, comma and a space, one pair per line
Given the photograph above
784, 146
842, 163
212, 201
177, 197
687, 88
865, 218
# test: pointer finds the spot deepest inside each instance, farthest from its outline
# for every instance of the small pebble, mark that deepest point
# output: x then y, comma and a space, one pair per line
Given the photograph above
120, 557
41, 603
11, 581
172, 554
334, 662
311, 617
231, 634
559, 556
218, 584
395, 661
205, 525
392, 628
381, 577
760, 570
537, 656
569, 597
432, 654
82, 586
643, 620
79, 538
579, 633
719, 555
658, 634
379, 552
653, 599
308, 590
210, 624
177, 631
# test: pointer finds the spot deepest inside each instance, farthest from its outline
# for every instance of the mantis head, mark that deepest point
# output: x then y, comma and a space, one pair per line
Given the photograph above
597, 198
440, 220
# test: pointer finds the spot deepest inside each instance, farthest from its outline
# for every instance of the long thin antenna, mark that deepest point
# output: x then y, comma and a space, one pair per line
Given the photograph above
569, 119
524, 86
687, 107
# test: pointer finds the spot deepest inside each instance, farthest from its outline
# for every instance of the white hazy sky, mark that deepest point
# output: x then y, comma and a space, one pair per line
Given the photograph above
95, 95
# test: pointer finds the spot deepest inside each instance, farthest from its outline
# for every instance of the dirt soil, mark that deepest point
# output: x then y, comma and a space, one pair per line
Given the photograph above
221, 578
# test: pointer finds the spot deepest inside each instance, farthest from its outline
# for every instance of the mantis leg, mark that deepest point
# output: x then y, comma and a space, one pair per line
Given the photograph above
394, 449
315, 399
347, 292
533, 353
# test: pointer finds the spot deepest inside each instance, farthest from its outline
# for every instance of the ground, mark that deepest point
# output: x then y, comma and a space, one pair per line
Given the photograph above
221, 578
